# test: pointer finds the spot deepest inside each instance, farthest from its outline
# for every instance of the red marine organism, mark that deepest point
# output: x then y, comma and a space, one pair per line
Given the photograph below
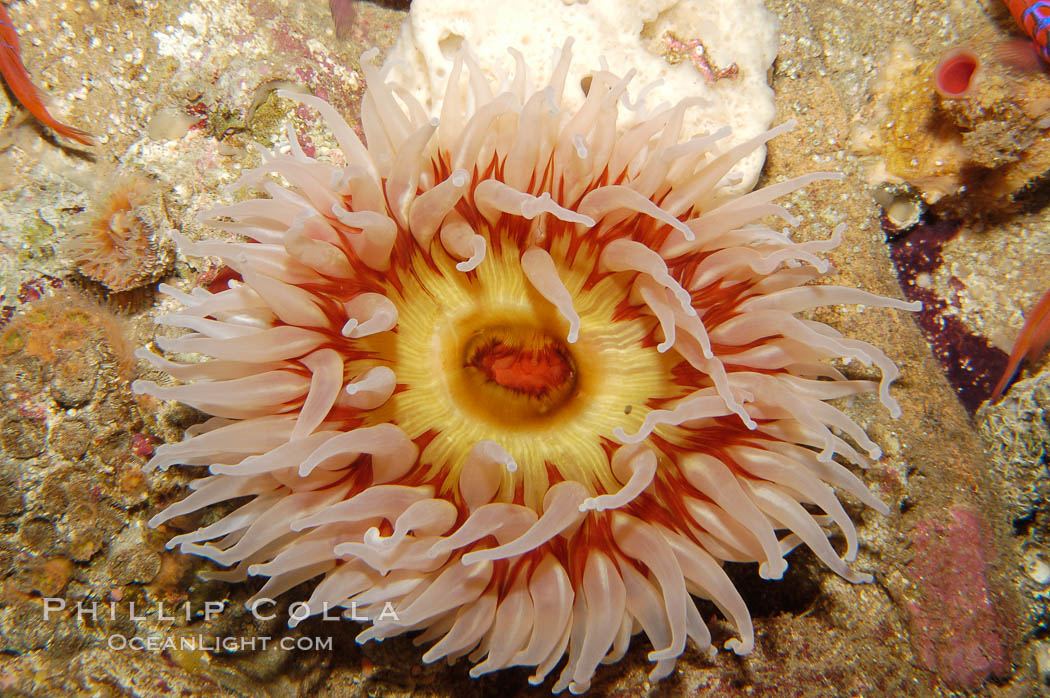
954, 75
1033, 340
25, 91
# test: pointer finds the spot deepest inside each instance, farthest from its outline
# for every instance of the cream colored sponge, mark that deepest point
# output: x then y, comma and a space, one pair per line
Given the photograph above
672, 42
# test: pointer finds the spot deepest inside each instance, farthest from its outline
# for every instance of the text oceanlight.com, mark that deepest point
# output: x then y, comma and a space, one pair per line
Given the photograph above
205, 643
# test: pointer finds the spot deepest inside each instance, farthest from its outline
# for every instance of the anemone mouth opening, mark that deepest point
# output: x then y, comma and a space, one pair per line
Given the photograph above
516, 372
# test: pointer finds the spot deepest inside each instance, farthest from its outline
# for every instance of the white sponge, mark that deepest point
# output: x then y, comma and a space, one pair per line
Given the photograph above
626, 34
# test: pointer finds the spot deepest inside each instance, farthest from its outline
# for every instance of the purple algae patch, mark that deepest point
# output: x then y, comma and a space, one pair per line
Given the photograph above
972, 365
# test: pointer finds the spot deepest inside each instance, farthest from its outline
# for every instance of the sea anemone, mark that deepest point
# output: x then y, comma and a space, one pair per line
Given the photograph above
527, 377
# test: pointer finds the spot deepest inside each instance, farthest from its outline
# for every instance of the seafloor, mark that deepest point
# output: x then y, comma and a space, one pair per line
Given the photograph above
962, 565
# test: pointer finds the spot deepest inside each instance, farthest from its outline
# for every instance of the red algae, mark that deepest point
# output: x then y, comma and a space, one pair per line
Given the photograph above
966, 644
